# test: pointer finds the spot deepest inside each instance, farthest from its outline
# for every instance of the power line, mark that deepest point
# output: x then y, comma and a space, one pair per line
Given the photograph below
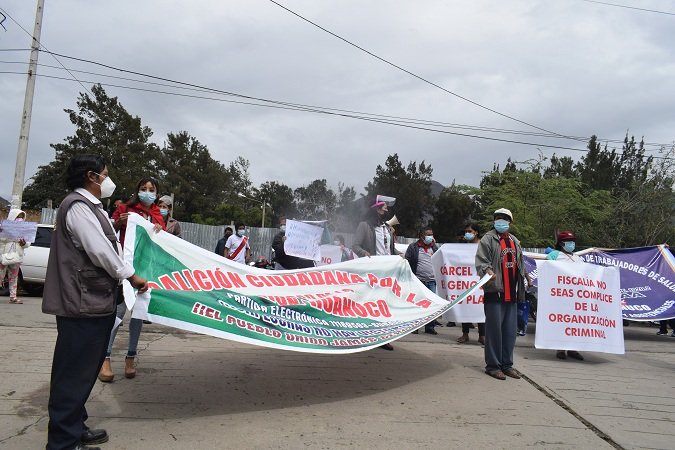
352, 116
418, 76
630, 7
311, 108
42, 46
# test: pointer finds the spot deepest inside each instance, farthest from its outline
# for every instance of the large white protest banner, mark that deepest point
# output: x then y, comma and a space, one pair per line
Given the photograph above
303, 240
455, 272
13, 230
346, 307
579, 307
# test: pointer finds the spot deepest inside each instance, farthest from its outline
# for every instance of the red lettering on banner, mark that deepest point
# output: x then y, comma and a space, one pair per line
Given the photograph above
304, 280
253, 281
200, 278
460, 271
181, 282
168, 283
206, 311
246, 325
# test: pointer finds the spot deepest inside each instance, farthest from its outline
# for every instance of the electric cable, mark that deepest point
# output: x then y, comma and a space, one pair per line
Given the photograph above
466, 99
352, 116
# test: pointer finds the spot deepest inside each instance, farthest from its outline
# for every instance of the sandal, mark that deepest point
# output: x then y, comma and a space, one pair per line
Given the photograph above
463, 339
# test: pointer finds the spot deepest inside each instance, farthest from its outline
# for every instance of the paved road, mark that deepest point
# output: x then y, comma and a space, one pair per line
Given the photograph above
195, 391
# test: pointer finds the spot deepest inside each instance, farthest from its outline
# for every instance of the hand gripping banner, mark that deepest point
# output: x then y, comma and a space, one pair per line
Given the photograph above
339, 308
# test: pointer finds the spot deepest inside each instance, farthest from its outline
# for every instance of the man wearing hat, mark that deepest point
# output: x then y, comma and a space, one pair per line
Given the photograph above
500, 255
373, 236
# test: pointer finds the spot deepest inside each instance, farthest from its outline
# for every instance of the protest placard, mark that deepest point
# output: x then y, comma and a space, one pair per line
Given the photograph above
13, 230
303, 240
579, 307
455, 272
330, 254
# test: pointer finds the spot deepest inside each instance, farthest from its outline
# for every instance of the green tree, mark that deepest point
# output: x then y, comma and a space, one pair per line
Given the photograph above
193, 176
103, 127
279, 197
454, 207
316, 201
411, 186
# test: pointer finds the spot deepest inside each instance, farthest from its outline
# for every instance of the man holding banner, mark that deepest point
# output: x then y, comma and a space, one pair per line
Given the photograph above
500, 255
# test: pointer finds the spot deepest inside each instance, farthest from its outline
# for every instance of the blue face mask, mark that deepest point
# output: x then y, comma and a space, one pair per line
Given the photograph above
469, 237
147, 197
502, 226
164, 211
569, 246
428, 239
241, 233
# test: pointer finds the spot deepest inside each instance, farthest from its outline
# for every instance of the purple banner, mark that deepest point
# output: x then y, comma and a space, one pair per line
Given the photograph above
647, 278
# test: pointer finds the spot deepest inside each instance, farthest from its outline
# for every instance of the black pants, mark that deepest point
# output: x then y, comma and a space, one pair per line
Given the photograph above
663, 328
466, 326
80, 350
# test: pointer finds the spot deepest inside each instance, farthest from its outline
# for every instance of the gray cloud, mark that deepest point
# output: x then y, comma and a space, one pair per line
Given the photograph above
568, 66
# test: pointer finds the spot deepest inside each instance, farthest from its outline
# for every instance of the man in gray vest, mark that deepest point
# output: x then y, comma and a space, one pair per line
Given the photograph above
81, 289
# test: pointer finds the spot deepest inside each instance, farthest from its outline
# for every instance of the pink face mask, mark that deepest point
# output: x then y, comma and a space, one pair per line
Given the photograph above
19, 219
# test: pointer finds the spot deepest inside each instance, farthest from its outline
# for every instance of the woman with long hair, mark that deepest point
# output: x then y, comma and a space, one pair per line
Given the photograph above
143, 202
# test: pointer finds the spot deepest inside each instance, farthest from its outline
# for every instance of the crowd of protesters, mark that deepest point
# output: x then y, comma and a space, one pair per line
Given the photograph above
90, 305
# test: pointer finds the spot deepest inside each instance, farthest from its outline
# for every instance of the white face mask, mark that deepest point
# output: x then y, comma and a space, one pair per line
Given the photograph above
107, 187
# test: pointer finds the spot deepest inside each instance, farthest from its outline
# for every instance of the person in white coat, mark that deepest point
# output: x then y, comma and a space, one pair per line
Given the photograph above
11, 257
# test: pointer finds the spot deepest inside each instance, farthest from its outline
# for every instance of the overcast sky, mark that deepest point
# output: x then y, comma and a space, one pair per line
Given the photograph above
573, 67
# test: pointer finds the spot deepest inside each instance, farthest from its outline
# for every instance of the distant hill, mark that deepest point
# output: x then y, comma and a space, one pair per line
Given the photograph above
436, 188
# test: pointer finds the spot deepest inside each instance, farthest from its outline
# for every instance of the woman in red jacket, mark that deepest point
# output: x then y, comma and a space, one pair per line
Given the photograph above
144, 203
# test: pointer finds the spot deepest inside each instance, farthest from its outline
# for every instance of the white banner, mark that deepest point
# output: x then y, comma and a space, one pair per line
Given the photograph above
579, 307
455, 272
339, 308
303, 240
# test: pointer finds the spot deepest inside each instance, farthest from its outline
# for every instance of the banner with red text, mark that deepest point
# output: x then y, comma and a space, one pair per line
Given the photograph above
339, 308
455, 272
579, 307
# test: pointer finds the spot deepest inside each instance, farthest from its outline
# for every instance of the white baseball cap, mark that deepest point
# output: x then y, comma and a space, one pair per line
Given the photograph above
504, 211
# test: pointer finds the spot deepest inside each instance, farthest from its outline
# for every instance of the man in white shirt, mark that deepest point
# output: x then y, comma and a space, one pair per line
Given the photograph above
237, 248
82, 287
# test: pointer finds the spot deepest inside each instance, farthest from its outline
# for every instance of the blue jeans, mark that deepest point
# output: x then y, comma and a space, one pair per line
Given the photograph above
431, 285
523, 312
135, 326
500, 334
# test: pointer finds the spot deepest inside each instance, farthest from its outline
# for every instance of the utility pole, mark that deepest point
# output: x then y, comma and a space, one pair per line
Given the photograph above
22, 152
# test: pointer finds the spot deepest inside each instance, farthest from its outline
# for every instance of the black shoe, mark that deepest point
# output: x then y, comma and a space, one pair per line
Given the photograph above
96, 436
416, 332
560, 354
451, 324
85, 447
575, 355
437, 323
387, 347
147, 322
430, 331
